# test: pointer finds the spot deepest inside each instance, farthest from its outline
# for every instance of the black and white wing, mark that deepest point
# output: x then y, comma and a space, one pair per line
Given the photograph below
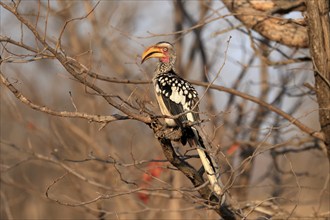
176, 96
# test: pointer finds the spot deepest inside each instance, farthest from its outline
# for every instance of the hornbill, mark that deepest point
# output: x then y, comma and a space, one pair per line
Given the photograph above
178, 98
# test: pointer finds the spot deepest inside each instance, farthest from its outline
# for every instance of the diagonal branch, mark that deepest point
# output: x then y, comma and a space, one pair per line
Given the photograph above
291, 119
76, 69
92, 118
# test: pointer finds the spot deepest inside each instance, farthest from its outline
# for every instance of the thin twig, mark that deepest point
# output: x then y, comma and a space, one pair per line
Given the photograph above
92, 118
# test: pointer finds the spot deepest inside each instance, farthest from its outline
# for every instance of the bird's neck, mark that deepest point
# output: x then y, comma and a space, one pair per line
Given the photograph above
164, 67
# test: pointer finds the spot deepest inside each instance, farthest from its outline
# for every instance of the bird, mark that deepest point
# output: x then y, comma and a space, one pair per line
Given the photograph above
178, 99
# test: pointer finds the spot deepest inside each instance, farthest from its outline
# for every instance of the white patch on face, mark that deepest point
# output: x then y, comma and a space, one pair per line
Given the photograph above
164, 45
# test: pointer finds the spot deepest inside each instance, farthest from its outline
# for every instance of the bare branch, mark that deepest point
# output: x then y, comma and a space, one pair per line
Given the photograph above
300, 125
91, 118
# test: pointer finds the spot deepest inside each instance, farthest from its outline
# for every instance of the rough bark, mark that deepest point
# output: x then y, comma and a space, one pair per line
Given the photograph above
259, 16
319, 38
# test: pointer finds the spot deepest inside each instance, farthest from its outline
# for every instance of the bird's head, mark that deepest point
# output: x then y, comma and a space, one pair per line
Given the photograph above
164, 51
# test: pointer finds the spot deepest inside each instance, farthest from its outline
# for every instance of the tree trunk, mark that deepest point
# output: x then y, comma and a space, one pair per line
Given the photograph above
319, 44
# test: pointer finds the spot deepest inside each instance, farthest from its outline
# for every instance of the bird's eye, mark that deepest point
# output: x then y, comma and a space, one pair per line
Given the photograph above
164, 49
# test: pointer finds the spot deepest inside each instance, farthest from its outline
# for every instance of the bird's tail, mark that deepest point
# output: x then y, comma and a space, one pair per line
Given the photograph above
211, 168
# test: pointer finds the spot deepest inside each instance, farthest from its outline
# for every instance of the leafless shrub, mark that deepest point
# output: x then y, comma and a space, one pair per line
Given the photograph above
82, 136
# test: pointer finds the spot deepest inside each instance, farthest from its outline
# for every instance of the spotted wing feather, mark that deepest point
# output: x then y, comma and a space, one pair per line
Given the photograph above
178, 96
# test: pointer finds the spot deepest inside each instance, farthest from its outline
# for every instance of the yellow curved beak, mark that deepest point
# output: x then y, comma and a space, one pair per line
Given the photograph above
152, 52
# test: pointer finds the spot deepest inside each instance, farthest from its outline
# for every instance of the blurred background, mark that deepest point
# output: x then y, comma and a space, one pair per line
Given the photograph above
56, 167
